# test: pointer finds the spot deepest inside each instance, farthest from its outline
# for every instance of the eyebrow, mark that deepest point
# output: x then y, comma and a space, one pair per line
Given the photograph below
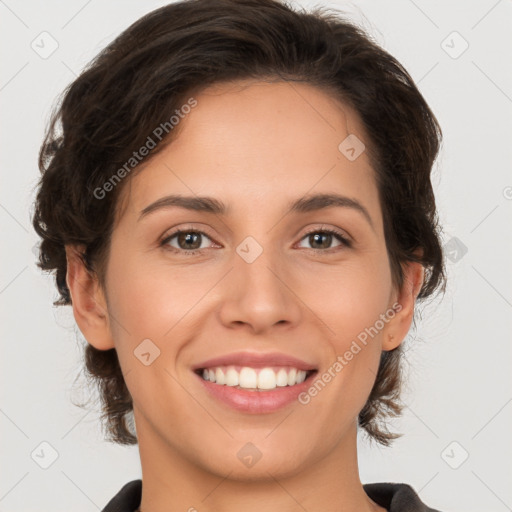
305, 204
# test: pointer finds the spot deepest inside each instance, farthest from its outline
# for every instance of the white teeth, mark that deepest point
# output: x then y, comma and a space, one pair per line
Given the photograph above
250, 378
282, 378
292, 374
267, 379
232, 378
219, 376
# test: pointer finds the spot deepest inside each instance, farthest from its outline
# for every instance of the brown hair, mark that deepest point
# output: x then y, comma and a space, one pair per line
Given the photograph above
139, 80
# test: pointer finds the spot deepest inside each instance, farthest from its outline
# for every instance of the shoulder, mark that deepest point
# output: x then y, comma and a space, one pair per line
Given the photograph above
396, 497
127, 499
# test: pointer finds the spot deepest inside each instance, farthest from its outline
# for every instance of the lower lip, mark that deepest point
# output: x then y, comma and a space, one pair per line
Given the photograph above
256, 402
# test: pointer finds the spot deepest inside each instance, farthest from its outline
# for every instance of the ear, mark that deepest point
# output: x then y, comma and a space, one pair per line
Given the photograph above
405, 298
88, 301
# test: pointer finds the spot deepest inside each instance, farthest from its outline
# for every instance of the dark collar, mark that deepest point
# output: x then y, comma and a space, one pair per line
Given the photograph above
392, 496
395, 497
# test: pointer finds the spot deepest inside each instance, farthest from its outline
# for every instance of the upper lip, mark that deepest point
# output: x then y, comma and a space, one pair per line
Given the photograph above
255, 360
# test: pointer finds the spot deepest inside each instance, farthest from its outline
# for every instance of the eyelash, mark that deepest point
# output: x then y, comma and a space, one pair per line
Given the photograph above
164, 243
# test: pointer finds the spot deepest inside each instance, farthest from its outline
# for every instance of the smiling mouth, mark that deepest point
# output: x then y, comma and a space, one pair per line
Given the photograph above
255, 379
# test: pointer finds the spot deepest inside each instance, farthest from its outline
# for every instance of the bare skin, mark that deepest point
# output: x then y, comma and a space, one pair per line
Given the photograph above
255, 148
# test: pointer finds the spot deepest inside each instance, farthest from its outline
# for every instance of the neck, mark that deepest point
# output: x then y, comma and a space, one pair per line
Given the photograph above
172, 481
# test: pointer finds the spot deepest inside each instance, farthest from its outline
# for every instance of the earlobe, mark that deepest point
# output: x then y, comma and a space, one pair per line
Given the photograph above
88, 301
399, 326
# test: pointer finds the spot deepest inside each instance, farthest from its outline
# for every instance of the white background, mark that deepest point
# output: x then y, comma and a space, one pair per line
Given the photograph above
459, 387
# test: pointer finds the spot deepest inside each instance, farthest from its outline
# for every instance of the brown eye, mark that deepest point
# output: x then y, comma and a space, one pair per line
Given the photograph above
190, 240
187, 241
320, 240
323, 239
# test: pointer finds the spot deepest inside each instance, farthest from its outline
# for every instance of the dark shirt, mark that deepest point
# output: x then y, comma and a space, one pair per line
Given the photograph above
392, 496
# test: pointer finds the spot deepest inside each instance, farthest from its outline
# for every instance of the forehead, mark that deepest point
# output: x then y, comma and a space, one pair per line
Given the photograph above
256, 144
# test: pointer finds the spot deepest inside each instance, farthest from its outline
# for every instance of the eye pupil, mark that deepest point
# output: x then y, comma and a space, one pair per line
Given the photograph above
188, 237
191, 241
315, 237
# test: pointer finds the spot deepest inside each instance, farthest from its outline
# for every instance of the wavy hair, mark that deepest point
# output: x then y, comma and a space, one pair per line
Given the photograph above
139, 80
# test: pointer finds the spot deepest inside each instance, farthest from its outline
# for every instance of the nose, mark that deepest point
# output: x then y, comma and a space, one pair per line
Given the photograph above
259, 295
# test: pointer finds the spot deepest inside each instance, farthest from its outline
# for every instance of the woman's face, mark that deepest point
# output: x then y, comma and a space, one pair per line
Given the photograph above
258, 279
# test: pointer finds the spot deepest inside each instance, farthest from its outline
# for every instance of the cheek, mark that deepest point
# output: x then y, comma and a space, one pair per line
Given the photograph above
350, 303
148, 299
150, 307
348, 298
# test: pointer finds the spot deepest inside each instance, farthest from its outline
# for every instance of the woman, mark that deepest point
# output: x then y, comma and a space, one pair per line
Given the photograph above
239, 210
